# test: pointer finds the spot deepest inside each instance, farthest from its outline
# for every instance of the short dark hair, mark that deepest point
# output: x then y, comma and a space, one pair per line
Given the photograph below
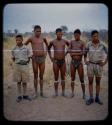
58, 30
93, 32
77, 31
37, 27
20, 36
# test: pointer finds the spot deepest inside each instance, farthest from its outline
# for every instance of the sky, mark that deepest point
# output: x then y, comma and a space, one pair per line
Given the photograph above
52, 16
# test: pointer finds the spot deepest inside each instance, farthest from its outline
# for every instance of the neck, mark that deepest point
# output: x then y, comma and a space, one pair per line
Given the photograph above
37, 36
58, 38
77, 40
20, 45
95, 42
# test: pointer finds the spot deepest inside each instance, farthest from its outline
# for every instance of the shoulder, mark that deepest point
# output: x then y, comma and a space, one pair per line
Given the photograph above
25, 47
14, 48
53, 41
88, 44
82, 42
102, 43
72, 41
31, 38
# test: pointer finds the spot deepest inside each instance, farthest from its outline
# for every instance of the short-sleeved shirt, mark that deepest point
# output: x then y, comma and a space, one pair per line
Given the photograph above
20, 53
98, 53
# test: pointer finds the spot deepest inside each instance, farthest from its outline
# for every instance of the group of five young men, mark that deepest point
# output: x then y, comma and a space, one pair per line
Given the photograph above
93, 53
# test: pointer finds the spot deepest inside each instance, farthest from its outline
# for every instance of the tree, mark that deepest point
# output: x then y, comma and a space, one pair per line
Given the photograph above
64, 28
15, 31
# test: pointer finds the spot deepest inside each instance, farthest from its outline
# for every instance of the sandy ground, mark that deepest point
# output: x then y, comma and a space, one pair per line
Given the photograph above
54, 109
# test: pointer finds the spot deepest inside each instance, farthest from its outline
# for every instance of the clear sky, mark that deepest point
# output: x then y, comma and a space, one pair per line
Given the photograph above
52, 16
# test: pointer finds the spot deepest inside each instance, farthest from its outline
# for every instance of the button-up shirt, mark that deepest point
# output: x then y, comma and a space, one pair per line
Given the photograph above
96, 52
20, 53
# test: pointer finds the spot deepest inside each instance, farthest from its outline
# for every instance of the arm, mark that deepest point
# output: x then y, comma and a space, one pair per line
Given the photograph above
29, 54
106, 52
49, 50
68, 44
86, 49
27, 41
45, 41
13, 57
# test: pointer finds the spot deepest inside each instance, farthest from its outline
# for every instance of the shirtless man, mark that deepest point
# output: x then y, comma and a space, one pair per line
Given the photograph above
38, 58
76, 50
58, 59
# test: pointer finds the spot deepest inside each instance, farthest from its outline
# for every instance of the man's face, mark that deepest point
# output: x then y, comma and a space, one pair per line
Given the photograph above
19, 40
59, 35
95, 37
77, 36
37, 32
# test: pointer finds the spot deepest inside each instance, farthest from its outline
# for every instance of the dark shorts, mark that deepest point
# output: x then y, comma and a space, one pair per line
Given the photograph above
59, 62
76, 63
39, 59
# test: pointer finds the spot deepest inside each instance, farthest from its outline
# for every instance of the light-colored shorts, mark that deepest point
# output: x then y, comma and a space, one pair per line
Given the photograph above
94, 69
21, 73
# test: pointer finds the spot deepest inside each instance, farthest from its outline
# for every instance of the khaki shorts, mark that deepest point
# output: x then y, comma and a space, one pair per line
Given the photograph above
21, 73
94, 69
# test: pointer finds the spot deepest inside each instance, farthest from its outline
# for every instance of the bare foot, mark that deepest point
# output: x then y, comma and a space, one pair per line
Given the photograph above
72, 95
63, 94
56, 95
41, 94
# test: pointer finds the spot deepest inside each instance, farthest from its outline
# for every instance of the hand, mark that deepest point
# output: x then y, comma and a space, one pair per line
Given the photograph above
102, 63
28, 60
86, 62
52, 59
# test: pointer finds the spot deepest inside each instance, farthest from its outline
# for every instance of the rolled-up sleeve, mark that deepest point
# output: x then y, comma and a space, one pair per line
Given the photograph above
106, 49
86, 48
29, 52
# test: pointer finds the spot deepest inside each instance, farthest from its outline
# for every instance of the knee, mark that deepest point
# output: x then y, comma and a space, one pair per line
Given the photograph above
97, 82
41, 77
35, 75
56, 82
62, 82
72, 83
19, 83
24, 83
90, 83
82, 81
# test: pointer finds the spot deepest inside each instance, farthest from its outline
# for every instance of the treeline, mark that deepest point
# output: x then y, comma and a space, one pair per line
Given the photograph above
103, 34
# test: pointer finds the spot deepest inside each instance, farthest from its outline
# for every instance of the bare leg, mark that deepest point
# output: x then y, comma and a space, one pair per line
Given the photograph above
24, 88
91, 86
81, 76
56, 75
97, 99
73, 72
42, 69
98, 79
63, 71
19, 88
19, 98
35, 71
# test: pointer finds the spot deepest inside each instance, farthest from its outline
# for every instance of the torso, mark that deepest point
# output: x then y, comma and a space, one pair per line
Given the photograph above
59, 48
78, 46
96, 52
38, 46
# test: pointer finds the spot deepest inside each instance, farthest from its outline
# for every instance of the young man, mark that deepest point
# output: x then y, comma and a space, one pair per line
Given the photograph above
76, 50
58, 60
96, 51
21, 57
38, 58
